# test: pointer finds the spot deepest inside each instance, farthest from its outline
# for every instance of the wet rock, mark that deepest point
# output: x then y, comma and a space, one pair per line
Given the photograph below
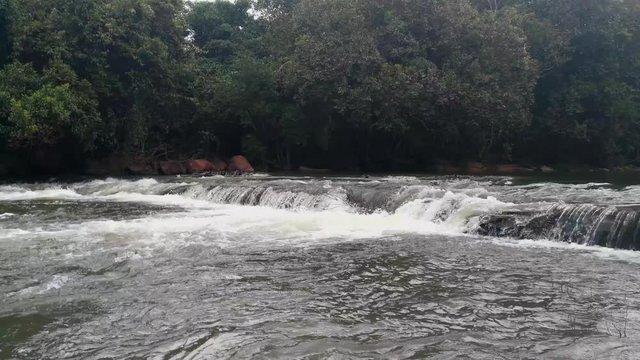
240, 164
199, 166
140, 169
219, 165
540, 226
499, 226
171, 168
139, 166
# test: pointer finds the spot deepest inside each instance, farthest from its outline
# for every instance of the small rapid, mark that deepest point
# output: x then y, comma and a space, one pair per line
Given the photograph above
588, 214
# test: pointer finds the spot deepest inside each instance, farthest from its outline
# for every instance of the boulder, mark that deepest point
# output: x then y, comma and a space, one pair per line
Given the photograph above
241, 164
199, 166
139, 168
219, 165
171, 168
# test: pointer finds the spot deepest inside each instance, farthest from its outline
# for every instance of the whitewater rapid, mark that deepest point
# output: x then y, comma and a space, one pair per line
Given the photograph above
251, 209
347, 208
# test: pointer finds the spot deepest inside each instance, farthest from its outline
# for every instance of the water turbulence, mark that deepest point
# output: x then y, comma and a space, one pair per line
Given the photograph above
271, 267
463, 206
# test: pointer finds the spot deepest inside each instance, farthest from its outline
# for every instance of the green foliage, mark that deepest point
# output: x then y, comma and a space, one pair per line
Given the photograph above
358, 84
5, 46
128, 58
588, 96
46, 108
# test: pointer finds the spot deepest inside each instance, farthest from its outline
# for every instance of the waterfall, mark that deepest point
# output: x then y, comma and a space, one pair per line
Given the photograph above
565, 213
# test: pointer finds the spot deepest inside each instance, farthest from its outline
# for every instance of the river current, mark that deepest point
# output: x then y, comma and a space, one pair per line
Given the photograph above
272, 267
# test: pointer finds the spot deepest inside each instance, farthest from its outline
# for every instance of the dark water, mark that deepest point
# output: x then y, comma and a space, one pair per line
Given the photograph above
314, 269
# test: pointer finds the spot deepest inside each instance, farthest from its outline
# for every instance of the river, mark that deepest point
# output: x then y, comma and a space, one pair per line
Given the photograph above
274, 267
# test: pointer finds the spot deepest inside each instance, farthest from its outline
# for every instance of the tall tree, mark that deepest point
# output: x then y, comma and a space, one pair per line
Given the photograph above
5, 45
587, 103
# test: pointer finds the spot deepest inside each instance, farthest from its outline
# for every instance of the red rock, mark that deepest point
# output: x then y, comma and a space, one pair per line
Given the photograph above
219, 165
171, 168
199, 166
241, 164
509, 169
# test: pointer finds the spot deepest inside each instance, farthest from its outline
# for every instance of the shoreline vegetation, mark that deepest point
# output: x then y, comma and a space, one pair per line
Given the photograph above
145, 87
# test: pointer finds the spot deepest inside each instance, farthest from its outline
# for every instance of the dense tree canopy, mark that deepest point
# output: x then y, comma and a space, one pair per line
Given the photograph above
381, 85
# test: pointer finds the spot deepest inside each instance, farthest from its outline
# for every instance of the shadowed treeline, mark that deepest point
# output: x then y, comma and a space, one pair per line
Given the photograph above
381, 85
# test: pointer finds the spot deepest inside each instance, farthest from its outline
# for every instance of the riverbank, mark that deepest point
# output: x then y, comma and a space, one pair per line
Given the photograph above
120, 165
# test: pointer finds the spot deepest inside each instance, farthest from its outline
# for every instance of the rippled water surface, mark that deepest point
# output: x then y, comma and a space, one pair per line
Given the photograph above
308, 268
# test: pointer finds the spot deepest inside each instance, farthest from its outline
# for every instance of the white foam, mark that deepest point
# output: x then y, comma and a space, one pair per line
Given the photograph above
56, 283
19, 194
456, 210
235, 225
168, 200
204, 215
400, 178
585, 250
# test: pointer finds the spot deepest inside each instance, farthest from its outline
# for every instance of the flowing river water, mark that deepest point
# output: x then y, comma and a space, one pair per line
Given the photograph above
314, 268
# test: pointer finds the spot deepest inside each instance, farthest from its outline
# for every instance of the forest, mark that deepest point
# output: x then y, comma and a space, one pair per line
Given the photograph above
347, 85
